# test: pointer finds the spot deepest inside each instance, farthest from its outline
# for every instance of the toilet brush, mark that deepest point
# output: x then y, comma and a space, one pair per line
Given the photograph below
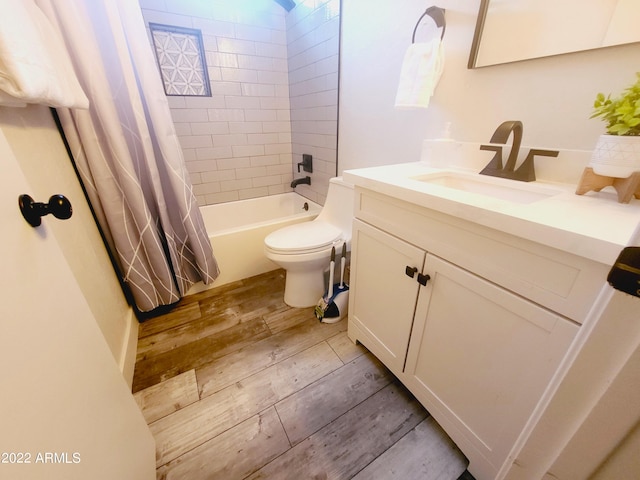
333, 305
343, 262
332, 267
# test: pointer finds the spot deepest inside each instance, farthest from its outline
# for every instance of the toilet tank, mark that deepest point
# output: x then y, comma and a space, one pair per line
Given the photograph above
338, 206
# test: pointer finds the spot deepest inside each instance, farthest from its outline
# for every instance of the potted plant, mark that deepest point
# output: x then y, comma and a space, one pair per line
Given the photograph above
617, 153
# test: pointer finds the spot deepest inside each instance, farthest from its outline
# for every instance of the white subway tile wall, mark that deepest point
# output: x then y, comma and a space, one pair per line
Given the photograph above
313, 29
274, 96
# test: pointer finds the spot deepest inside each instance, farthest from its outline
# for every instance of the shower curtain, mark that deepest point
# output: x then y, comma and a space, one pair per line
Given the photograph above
127, 152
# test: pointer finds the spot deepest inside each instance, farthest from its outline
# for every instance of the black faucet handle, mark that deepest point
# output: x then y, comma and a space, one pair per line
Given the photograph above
543, 153
526, 172
493, 148
307, 163
496, 161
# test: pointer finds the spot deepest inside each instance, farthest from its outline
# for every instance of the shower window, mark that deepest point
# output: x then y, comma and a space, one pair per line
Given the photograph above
180, 55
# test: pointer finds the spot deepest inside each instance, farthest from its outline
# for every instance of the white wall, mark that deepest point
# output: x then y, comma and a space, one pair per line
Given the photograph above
313, 29
236, 143
274, 83
36, 143
552, 96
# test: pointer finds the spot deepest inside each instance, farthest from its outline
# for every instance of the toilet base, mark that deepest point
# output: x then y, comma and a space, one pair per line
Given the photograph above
303, 288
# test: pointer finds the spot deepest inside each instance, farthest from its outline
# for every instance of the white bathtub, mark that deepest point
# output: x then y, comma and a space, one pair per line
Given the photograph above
237, 231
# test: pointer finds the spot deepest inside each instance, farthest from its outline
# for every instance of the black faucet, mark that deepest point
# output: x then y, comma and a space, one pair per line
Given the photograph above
306, 181
526, 171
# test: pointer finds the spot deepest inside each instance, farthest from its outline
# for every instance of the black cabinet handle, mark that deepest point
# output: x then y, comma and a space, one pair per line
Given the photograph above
423, 279
411, 272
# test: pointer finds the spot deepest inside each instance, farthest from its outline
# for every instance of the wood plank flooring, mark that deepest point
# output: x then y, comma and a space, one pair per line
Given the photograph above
235, 384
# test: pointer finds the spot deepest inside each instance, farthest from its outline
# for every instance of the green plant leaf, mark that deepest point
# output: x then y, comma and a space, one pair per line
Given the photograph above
621, 114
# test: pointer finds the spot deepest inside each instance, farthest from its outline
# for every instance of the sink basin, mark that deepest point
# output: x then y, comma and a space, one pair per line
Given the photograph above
509, 190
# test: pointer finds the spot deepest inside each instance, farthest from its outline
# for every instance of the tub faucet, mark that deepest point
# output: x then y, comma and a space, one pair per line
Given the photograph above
306, 180
526, 171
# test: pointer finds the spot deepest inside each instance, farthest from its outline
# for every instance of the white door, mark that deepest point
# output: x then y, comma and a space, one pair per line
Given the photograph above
65, 409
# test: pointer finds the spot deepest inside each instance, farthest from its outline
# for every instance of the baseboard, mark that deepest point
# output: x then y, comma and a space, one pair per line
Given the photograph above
127, 361
224, 279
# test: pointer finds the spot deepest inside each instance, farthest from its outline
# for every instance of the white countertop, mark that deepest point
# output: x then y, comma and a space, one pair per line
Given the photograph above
593, 225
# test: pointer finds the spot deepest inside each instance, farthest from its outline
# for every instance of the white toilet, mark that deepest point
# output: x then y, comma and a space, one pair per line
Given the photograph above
304, 249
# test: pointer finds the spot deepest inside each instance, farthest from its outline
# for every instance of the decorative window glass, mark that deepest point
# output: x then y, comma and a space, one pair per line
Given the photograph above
180, 55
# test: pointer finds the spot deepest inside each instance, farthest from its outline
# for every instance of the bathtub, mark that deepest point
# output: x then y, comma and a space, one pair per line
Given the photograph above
237, 231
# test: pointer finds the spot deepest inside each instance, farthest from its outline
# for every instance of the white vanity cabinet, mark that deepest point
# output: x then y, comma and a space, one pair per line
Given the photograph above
470, 344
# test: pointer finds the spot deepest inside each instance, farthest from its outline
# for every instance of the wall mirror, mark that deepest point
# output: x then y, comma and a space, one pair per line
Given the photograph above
513, 30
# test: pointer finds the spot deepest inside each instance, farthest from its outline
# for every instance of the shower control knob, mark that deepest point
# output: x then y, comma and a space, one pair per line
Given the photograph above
58, 205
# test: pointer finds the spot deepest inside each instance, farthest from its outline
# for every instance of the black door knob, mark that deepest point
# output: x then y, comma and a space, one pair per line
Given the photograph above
58, 205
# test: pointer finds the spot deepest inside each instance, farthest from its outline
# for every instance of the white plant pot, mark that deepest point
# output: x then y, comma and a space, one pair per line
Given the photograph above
616, 156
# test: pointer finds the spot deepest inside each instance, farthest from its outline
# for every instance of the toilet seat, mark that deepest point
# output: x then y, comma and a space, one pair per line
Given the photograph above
308, 237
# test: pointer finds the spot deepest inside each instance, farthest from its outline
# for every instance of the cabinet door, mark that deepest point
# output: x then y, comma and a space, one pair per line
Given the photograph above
383, 300
480, 357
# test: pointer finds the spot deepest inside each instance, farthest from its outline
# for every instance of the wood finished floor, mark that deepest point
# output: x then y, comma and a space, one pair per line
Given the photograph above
235, 384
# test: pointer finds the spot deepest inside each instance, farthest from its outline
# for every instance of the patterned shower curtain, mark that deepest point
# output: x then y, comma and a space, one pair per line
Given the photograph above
127, 152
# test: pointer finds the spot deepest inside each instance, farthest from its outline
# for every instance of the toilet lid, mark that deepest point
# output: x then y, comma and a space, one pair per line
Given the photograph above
303, 237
